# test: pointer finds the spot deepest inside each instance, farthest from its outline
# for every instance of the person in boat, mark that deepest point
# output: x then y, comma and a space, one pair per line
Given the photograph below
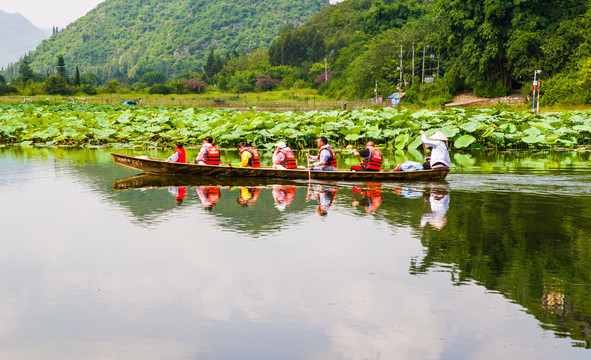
439, 152
283, 157
209, 196
209, 153
249, 156
372, 158
326, 159
179, 154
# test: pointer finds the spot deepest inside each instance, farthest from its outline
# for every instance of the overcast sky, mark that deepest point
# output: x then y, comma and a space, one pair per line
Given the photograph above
49, 13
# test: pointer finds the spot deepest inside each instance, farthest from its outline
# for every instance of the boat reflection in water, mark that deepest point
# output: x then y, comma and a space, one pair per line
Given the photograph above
438, 199
432, 198
324, 195
209, 196
370, 197
179, 193
283, 196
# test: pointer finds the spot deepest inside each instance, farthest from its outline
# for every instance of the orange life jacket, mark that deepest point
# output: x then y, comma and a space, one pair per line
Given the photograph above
254, 159
288, 159
331, 161
212, 156
374, 161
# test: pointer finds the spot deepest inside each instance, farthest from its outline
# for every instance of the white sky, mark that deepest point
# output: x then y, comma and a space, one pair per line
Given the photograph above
49, 13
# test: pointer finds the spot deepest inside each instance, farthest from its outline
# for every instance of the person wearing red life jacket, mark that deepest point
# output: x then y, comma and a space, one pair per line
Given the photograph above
249, 156
372, 158
209, 153
283, 158
326, 159
179, 154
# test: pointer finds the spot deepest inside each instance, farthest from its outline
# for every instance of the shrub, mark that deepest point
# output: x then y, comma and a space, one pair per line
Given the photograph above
490, 90
159, 89
7, 89
244, 88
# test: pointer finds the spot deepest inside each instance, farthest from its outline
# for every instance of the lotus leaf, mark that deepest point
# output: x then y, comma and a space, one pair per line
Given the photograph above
532, 138
401, 141
400, 156
470, 126
415, 143
464, 141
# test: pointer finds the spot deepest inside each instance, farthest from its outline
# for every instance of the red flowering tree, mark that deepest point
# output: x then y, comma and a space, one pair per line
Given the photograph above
265, 82
195, 85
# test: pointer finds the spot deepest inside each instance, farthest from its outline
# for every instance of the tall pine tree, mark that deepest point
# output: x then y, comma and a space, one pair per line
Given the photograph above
26, 73
77, 78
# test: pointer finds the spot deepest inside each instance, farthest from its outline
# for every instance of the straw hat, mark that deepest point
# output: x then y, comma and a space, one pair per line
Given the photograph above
281, 145
438, 136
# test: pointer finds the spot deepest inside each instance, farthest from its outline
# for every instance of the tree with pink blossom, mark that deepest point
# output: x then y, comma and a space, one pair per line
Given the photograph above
265, 82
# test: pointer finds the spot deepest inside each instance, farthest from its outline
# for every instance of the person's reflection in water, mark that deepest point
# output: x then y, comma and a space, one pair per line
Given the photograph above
408, 192
371, 197
325, 196
179, 193
248, 196
209, 196
439, 202
283, 196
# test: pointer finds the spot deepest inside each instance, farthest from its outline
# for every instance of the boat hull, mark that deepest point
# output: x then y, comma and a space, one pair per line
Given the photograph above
161, 167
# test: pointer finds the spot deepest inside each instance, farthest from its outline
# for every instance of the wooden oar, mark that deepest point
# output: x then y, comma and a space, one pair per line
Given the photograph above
309, 171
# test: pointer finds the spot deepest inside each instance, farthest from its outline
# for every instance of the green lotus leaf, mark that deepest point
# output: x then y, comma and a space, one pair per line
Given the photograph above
401, 141
353, 137
533, 138
488, 132
400, 156
470, 126
464, 141
415, 143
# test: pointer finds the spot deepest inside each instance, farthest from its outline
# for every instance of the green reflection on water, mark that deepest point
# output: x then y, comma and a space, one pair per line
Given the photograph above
535, 250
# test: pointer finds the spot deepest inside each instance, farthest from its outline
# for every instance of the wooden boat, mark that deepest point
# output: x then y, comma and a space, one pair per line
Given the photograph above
162, 167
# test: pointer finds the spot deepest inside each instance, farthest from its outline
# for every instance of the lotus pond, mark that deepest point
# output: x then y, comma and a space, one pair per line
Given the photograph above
100, 261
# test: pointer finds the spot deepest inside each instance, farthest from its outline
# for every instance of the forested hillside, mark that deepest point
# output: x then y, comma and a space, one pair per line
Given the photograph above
355, 49
122, 38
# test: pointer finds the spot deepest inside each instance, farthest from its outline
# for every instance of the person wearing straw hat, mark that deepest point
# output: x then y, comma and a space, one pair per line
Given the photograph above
439, 153
283, 157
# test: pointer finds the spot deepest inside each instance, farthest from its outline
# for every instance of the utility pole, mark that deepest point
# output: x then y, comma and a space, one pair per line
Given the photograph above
438, 53
401, 63
413, 60
423, 73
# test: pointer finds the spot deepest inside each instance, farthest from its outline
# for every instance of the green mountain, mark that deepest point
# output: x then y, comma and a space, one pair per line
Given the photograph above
126, 38
17, 37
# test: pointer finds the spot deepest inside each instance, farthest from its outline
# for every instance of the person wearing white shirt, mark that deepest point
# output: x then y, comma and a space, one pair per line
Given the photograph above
439, 153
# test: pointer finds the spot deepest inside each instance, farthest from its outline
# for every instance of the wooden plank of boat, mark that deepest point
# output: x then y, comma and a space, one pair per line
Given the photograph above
162, 167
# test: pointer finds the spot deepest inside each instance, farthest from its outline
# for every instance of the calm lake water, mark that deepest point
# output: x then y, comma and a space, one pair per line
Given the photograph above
99, 263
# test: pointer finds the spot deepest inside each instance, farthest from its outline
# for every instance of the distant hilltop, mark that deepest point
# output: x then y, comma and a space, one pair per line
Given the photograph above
17, 37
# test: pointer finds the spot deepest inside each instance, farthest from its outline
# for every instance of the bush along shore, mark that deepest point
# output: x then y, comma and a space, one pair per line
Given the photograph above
467, 128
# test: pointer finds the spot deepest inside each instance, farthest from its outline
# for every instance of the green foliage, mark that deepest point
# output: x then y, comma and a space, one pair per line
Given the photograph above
159, 89
489, 90
56, 85
7, 89
389, 128
25, 71
60, 68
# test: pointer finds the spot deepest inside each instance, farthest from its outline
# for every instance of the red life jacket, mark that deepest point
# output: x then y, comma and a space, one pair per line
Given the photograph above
288, 159
375, 198
375, 160
254, 159
212, 156
331, 161
182, 155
